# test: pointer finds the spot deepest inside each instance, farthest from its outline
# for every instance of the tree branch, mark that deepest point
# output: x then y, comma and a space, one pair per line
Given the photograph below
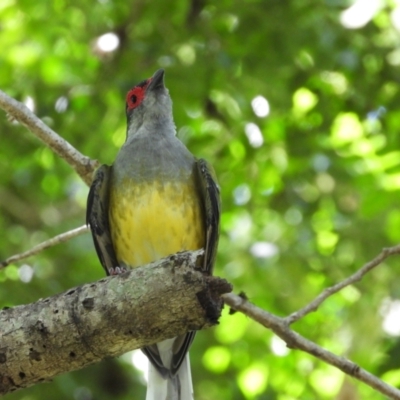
280, 326
105, 319
357, 276
76, 328
83, 165
63, 237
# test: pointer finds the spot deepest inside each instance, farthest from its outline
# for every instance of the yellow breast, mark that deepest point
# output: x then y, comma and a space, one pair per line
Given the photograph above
149, 221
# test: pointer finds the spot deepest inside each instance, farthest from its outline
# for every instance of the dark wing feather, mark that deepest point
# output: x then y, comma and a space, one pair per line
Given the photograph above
153, 355
97, 218
210, 195
180, 348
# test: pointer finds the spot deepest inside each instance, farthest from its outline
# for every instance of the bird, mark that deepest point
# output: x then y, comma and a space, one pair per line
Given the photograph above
155, 200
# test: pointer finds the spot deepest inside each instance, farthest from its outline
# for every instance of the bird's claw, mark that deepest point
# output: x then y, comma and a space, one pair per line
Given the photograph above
116, 270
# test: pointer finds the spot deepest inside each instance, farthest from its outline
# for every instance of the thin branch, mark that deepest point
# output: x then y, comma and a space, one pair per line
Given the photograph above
281, 328
357, 276
83, 165
63, 237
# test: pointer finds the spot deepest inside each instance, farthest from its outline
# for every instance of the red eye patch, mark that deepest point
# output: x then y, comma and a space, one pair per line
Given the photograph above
136, 95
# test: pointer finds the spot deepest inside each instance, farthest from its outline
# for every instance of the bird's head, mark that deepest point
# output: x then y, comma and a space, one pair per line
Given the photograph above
148, 104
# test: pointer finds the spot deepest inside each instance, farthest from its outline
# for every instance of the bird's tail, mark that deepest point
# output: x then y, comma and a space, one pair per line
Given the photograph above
177, 387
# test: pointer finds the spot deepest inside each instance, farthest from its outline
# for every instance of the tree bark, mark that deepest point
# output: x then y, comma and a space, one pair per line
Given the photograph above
105, 319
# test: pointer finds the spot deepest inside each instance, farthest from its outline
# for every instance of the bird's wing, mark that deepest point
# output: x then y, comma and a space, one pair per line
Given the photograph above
210, 195
97, 218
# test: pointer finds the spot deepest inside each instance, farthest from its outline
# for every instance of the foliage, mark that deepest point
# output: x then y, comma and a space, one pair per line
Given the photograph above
309, 190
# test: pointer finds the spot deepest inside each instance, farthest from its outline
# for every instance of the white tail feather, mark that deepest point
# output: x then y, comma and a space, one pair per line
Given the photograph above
178, 387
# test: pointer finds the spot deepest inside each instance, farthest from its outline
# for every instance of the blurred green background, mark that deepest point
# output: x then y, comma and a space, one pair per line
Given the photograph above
295, 103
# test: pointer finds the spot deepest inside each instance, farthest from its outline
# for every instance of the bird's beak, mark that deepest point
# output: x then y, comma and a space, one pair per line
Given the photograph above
157, 80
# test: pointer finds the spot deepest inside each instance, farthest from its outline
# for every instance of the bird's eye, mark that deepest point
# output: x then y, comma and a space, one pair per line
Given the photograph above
136, 95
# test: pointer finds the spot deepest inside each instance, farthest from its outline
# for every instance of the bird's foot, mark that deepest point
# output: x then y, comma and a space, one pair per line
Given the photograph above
116, 270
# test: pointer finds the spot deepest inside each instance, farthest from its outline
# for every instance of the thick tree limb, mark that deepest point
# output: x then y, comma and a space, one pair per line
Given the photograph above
83, 165
61, 238
106, 318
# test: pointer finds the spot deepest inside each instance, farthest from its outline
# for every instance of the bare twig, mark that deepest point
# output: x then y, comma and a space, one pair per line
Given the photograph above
63, 237
280, 326
83, 165
357, 276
